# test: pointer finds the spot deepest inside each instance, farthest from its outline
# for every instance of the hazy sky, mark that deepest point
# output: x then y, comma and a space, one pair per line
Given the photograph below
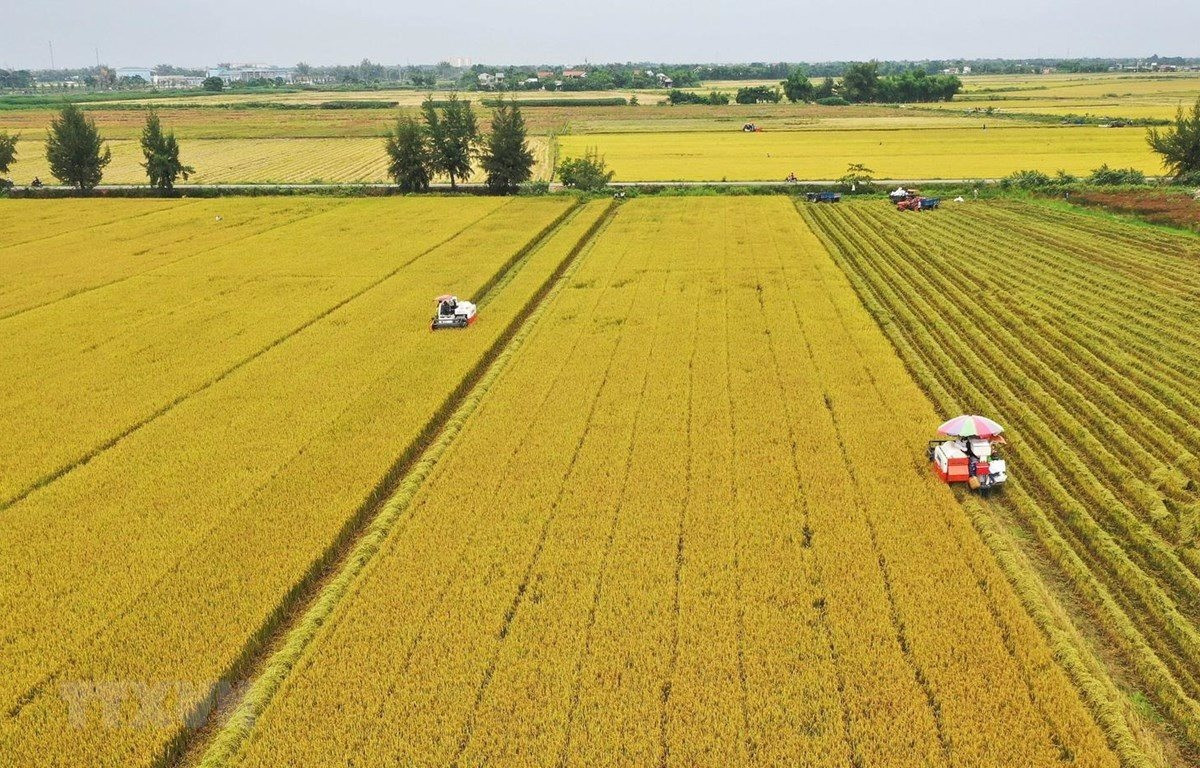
149, 32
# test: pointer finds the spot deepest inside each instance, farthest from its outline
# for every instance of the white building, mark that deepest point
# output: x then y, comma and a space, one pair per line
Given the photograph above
128, 72
240, 73
177, 81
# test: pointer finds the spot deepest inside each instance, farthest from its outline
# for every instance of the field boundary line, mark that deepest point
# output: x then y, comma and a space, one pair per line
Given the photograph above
162, 410
227, 741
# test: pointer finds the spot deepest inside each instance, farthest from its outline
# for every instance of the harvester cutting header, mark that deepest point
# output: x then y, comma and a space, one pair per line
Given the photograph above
970, 453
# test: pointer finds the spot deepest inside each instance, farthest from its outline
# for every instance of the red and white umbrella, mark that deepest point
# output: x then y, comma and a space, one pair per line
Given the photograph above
970, 426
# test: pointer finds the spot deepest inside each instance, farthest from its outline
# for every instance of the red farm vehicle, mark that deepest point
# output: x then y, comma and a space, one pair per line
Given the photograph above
969, 453
912, 200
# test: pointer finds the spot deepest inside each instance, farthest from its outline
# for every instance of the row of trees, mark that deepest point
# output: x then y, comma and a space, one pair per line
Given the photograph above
446, 140
863, 84
713, 98
77, 155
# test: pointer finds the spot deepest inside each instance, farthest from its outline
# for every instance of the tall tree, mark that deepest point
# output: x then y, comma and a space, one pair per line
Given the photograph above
507, 159
8, 151
75, 149
162, 155
860, 82
1179, 144
798, 87
408, 155
453, 137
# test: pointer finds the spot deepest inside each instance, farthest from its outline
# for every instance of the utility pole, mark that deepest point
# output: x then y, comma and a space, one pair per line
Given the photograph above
51, 54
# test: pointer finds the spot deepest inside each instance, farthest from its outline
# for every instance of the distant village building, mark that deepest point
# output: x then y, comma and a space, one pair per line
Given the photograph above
240, 73
544, 74
574, 74
177, 81
124, 73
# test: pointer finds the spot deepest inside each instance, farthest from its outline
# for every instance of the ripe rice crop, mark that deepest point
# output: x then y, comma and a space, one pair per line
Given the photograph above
257, 397
941, 153
249, 161
1078, 333
673, 533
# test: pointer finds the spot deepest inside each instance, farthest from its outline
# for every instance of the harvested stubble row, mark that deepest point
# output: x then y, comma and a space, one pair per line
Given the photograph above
134, 583
674, 533
1075, 332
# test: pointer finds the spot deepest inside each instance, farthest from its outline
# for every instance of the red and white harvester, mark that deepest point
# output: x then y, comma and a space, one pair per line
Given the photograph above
969, 453
452, 313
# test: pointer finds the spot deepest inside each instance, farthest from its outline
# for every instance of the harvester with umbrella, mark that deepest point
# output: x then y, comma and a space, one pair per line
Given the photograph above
969, 453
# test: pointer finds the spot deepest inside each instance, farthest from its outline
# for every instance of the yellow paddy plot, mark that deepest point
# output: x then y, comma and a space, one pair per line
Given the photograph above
1090, 355
249, 161
197, 439
950, 153
674, 533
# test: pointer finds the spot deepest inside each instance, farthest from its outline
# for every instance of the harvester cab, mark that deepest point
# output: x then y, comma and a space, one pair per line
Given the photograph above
969, 453
452, 313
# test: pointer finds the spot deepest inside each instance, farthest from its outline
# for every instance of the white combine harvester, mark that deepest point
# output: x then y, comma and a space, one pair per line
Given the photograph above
452, 313
969, 454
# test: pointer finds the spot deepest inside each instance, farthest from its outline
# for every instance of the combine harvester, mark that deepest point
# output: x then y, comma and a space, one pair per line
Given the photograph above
911, 200
452, 313
969, 454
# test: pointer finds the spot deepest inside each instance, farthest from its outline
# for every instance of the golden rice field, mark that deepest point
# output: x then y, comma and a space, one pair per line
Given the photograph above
232, 138
1095, 364
253, 161
687, 552
664, 504
950, 153
226, 411
1131, 96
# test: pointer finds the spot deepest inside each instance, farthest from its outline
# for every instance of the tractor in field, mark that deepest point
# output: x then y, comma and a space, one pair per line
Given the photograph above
912, 200
823, 197
969, 453
452, 313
